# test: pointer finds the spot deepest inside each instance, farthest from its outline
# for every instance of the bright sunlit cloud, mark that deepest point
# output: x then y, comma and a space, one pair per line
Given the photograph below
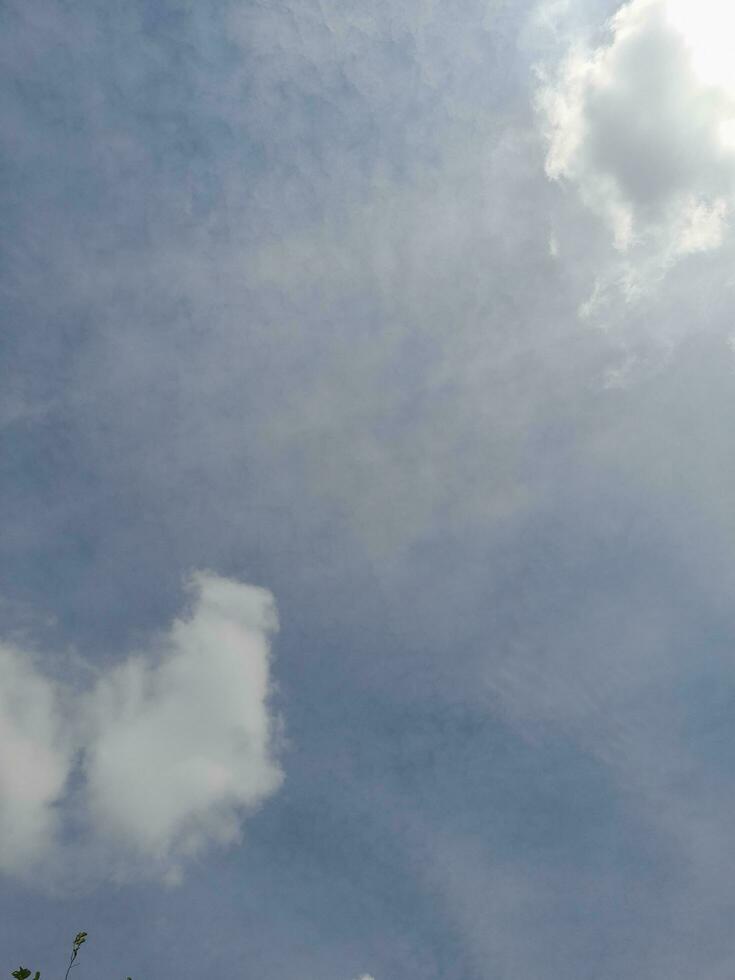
708, 27
643, 128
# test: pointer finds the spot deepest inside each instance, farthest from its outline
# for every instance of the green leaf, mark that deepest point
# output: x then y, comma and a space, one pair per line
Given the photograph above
21, 973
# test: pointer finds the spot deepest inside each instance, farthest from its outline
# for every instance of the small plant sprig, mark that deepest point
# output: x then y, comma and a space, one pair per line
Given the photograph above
22, 973
81, 937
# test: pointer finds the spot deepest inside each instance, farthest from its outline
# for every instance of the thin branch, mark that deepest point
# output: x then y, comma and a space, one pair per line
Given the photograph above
71, 963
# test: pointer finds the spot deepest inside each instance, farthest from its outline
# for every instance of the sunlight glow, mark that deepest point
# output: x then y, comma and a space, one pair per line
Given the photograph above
708, 27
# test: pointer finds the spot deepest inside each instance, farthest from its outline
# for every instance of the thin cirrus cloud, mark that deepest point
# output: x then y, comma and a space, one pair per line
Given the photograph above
642, 127
170, 746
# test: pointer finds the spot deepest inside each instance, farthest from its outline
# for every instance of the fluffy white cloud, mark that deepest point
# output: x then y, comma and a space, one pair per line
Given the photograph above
172, 744
642, 127
35, 758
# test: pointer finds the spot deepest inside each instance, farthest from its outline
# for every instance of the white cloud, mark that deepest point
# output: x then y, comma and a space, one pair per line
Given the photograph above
172, 744
35, 757
641, 127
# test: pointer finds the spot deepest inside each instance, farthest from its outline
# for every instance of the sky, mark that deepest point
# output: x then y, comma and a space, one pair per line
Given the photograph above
367, 540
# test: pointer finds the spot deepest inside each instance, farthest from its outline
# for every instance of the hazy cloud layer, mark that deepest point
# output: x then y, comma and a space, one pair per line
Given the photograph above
292, 292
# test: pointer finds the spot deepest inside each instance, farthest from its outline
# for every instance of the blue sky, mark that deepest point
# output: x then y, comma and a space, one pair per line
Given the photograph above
366, 568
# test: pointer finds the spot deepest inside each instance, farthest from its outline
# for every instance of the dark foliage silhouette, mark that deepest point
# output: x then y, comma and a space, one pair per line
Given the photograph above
22, 972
